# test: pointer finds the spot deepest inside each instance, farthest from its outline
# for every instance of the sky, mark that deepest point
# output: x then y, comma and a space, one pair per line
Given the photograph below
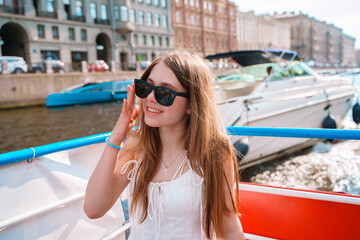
344, 14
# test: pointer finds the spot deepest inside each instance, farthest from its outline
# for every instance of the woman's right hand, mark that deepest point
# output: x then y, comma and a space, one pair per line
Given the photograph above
127, 117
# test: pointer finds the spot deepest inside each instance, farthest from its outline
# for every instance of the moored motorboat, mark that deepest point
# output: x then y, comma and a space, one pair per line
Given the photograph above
89, 93
292, 96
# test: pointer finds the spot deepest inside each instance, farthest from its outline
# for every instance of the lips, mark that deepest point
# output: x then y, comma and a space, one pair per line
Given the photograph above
153, 110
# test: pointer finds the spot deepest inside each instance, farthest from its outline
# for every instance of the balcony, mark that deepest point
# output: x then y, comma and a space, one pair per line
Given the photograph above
76, 18
102, 21
10, 9
46, 14
125, 26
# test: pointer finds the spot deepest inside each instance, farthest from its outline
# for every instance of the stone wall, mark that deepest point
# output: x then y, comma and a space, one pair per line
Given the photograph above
19, 90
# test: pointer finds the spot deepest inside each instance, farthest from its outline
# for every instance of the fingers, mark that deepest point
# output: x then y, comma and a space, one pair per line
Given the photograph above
130, 97
135, 113
124, 107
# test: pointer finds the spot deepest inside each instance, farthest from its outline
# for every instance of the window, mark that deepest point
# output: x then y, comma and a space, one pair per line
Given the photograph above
71, 34
148, 2
210, 22
103, 12
205, 5
141, 1
55, 32
122, 38
149, 18
116, 12
152, 41
93, 11
210, 6
197, 3
141, 17
136, 40
186, 18
167, 41
78, 8
185, 2
124, 13
83, 35
41, 31
178, 17
191, 3
132, 15
49, 5
160, 41
156, 2
192, 19
164, 21
163, 3
157, 20
144, 40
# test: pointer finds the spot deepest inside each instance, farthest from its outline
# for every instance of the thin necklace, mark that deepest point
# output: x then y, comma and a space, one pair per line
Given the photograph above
167, 166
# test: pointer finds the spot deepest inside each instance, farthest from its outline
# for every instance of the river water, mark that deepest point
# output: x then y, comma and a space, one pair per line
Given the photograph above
329, 166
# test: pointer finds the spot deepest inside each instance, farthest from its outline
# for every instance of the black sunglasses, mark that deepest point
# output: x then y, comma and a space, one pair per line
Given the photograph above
164, 96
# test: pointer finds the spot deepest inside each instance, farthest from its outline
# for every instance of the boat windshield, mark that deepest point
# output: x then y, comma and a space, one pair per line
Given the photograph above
259, 71
297, 69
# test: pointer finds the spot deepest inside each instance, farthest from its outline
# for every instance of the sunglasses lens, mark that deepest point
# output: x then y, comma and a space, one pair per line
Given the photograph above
142, 89
164, 96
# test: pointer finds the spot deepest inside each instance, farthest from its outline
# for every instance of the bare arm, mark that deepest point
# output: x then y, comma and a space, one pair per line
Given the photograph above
233, 228
106, 183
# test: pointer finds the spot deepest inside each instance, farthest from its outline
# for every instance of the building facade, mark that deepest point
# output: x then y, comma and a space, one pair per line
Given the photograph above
316, 40
348, 57
205, 26
261, 32
75, 30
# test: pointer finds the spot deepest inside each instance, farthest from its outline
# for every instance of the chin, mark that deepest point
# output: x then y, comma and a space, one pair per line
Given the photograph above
151, 123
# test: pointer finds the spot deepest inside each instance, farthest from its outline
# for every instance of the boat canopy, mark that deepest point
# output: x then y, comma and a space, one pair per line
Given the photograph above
254, 57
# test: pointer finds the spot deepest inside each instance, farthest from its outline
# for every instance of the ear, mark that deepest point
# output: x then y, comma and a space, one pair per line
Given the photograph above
189, 111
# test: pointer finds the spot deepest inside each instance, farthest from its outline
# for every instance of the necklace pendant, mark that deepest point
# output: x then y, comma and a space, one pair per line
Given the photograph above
166, 171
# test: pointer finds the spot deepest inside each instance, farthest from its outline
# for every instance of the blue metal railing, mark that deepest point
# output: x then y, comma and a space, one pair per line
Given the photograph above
29, 153
296, 132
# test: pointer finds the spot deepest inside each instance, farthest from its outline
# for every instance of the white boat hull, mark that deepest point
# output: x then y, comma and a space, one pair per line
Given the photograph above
296, 103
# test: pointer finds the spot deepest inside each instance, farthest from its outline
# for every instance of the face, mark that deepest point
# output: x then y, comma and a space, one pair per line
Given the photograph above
157, 115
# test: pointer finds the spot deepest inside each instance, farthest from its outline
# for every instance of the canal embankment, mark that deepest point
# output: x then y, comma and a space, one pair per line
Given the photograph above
31, 89
23, 90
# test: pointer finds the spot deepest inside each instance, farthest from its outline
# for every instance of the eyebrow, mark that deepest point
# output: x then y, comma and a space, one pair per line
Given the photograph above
168, 85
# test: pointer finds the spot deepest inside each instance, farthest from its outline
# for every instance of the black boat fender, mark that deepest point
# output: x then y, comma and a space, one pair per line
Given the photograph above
356, 113
329, 122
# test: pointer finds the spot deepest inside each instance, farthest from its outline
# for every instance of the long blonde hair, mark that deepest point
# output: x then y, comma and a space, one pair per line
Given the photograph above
205, 140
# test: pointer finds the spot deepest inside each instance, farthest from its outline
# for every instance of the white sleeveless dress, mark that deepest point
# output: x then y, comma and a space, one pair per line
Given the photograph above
174, 210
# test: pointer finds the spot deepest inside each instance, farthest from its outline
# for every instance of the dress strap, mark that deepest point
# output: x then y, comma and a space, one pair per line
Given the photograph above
132, 172
181, 167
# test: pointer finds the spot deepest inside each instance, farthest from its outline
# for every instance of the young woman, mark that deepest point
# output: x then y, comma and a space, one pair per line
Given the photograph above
180, 166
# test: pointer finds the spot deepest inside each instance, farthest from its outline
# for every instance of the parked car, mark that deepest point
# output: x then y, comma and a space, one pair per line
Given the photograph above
98, 66
144, 64
15, 64
57, 66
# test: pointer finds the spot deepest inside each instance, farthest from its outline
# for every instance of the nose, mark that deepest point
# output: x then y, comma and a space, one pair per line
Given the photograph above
151, 96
